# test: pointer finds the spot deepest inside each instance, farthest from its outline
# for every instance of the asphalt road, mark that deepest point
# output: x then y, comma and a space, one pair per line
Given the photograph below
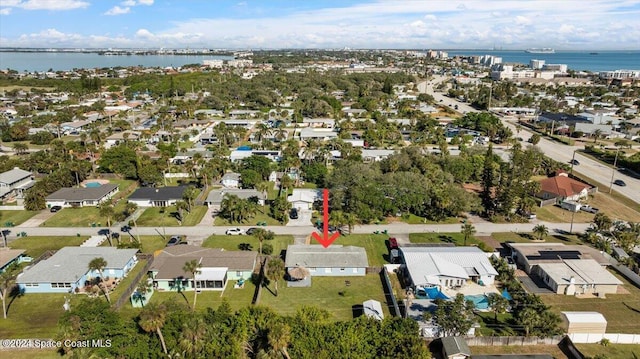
557, 151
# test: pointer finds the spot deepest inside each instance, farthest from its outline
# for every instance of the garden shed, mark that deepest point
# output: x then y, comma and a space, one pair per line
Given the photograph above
584, 322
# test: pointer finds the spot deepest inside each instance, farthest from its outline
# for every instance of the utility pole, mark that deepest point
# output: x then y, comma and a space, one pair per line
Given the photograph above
613, 170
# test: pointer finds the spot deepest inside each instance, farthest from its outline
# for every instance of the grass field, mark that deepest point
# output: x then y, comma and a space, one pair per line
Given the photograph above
231, 243
413, 219
33, 315
81, 217
523, 237
455, 238
611, 351
622, 311
325, 293
374, 244
237, 298
259, 217
35, 246
15, 217
552, 350
159, 216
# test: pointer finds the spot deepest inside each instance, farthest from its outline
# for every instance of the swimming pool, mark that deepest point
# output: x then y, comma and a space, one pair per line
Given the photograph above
92, 184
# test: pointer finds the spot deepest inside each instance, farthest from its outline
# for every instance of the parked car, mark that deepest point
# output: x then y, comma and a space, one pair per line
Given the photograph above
234, 232
589, 209
574, 162
173, 241
393, 243
527, 215
293, 214
619, 182
252, 230
55, 209
125, 228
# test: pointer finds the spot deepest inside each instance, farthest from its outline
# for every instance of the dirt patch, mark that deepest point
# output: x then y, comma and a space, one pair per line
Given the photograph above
490, 241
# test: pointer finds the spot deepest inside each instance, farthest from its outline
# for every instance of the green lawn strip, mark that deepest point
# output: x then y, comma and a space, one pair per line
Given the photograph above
165, 216
81, 217
611, 351
34, 315
231, 243
329, 293
558, 215
489, 326
259, 217
522, 237
35, 246
124, 283
455, 238
622, 311
15, 217
374, 244
552, 350
413, 219
237, 298
150, 244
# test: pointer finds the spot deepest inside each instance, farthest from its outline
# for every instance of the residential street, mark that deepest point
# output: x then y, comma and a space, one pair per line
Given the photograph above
556, 151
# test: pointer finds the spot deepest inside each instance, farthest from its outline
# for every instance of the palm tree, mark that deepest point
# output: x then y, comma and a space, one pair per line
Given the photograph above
181, 206
279, 336
7, 282
596, 134
541, 231
498, 304
350, 220
467, 231
262, 130
275, 271
192, 337
152, 319
261, 235
189, 195
263, 187
193, 267
105, 209
97, 265
142, 290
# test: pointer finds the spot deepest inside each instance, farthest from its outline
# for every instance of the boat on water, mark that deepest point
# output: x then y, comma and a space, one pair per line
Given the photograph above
593, 53
544, 50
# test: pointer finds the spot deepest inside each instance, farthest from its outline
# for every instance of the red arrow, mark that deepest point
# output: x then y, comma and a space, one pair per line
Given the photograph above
325, 240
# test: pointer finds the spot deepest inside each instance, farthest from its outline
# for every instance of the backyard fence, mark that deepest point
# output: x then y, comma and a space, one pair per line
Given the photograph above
388, 292
513, 340
613, 338
134, 283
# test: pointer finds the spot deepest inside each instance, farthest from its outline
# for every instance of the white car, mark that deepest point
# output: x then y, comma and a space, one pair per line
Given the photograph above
234, 232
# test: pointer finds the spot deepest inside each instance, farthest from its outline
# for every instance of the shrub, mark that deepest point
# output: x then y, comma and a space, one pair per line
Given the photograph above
267, 248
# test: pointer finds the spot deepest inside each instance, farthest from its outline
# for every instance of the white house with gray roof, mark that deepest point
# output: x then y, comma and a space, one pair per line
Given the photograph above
446, 266
15, 182
81, 197
215, 197
68, 269
335, 260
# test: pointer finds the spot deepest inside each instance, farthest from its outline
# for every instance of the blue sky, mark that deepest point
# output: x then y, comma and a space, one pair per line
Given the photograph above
240, 24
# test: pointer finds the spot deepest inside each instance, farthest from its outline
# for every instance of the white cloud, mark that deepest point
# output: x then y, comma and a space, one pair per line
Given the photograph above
48, 4
521, 20
136, 3
117, 10
128, 3
145, 2
5, 11
430, 17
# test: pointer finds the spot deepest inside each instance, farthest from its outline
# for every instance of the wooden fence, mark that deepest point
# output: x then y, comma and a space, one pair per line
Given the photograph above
134, 283
388, 292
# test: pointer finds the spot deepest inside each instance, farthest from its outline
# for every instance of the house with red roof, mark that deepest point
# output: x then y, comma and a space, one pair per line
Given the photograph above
563, 188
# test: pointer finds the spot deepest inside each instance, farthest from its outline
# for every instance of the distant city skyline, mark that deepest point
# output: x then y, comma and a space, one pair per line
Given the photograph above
462, 24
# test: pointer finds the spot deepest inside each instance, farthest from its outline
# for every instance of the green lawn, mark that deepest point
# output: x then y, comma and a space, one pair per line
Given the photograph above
413, 219
237, 298
622, 311
35, 353
329, 293
35, 246
611, 351
231, 243
81, 217
552, 350
34, 315
15, 217
455, 238
374, 244
259, 217
165, 217
556, 214
522, 237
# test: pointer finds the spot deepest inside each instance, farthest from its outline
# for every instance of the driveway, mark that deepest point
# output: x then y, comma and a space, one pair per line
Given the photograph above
38, 219
304, 218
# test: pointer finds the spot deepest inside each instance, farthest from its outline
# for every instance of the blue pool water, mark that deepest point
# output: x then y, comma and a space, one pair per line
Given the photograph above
92, 184
479, 300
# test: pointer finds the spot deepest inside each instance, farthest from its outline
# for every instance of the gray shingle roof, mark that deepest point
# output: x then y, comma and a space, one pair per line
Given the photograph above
335, 256
14, 175
169, 263
216, 196
455, 345
70, 263
82, 193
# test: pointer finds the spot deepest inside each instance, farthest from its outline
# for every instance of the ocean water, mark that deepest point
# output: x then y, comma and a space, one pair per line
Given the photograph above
64, 61
575, 60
